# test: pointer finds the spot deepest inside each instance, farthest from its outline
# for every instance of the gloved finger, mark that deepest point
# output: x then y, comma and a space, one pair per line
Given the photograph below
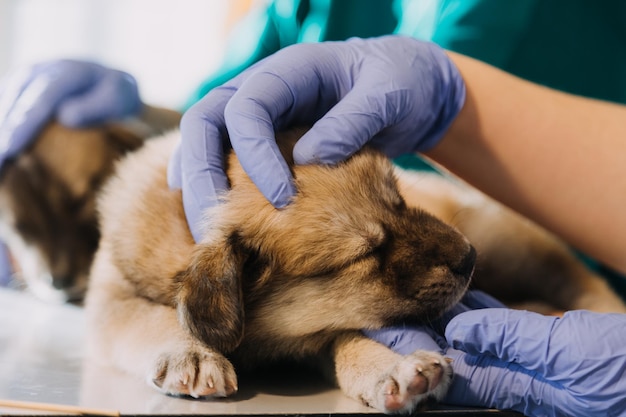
11, 87
583, 353
349, 125
251, 126
565, 347
6, 266
28, 107
407, 339
405, 109
22, 113
510, 335
338, 134
175, 170
296, 86
201, 154
375, 100
485, 381
113, 96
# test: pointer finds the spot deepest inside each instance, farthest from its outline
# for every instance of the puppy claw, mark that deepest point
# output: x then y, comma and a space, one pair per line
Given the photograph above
391, 387
414, 379
419, 385
195, 372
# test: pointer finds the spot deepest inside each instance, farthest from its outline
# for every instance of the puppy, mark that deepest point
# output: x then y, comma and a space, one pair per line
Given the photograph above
47, 205
352, 251
48, 195
267, 284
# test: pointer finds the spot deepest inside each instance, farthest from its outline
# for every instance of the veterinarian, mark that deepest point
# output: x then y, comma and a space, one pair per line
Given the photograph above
534, 141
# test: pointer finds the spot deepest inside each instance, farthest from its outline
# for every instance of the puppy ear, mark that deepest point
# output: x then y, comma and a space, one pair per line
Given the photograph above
210, 300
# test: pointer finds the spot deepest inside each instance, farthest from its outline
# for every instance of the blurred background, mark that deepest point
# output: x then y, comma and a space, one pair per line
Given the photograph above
170, 46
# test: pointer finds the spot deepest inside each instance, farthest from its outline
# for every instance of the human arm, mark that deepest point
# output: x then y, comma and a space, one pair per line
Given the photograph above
558, 158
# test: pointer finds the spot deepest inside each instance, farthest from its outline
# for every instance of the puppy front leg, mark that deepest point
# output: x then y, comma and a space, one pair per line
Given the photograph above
382, 379
210, 300
145, 339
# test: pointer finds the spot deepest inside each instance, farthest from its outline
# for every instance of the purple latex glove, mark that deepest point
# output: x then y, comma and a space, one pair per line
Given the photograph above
6, 267
77, 93
534, 364
397, 93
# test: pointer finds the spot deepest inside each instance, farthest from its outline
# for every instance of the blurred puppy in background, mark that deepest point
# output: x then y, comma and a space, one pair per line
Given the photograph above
47, 200
47, 206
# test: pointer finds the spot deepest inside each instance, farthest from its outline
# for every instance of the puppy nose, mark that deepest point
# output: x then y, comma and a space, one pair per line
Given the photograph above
61, 282
465, 267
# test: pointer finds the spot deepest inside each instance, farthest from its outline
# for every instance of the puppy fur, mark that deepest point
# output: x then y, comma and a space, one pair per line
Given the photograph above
48, 194
265, 284
354, 250
48, 205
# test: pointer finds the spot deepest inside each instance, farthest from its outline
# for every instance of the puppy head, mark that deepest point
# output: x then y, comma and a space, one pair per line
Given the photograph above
47, 205
346, 253
350, 226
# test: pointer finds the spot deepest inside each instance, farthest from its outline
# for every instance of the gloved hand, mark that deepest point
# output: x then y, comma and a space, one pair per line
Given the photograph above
397, 93
77, 93
534, 364
6, 266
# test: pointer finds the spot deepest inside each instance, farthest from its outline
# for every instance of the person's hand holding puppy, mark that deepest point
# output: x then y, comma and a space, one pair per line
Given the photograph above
523, 361
399, 94
76, 93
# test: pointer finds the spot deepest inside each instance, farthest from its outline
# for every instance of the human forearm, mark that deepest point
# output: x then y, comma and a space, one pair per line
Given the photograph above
554, 157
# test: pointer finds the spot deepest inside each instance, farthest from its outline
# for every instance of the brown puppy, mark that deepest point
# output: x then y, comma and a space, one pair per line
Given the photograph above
47, 205
266, 284
353, 251
48, 194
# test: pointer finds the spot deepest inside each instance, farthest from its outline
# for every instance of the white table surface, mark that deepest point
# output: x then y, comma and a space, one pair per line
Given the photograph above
42, 361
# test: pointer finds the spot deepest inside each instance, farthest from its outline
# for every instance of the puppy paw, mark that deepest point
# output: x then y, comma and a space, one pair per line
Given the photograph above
415, 378
195, 372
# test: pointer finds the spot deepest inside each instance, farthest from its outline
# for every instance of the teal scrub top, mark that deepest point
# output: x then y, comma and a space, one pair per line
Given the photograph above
578, 46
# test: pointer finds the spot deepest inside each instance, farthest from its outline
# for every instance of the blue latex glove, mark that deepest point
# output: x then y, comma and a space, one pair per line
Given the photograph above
398, 93
6, 267
77, 93
537, 365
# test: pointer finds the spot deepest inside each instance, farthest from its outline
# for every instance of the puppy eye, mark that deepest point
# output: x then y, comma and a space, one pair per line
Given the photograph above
376, 240
374, 234
382, 246
25, 229
399, 205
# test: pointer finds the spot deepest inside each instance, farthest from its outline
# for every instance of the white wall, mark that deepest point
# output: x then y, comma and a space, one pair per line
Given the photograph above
168, 45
